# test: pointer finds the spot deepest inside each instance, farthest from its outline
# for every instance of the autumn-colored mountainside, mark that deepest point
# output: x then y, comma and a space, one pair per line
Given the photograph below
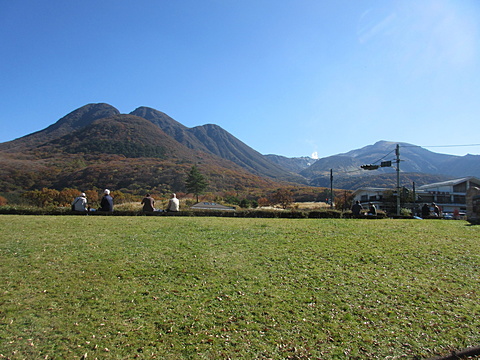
126, 135
95, 145
118, 152
75, 120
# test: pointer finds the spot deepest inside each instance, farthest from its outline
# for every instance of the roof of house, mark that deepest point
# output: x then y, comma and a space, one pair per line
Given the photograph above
449, 182
452, 182
370, 189
212, 206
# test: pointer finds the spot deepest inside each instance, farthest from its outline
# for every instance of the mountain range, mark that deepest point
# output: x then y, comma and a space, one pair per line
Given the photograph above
96, 146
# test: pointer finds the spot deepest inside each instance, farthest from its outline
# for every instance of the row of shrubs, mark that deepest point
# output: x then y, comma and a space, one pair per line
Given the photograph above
242, 213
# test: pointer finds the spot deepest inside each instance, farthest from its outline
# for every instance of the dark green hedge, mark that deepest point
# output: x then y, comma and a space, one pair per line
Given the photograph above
247, 213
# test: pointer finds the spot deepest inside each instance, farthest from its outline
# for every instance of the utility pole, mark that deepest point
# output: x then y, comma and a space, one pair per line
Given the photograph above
414, 212
389, 164
397, 153
331, 188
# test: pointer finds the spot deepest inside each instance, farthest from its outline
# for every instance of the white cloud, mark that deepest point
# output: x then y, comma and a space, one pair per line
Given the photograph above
422, 36
373, 23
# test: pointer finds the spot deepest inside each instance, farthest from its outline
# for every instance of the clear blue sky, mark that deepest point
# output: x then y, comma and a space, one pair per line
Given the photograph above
287, 77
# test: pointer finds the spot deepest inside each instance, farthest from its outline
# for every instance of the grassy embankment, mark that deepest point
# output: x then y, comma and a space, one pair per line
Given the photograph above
213, 288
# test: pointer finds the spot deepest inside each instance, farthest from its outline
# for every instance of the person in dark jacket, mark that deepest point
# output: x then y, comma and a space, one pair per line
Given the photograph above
425, 211
107, 202
357, 208
148, 203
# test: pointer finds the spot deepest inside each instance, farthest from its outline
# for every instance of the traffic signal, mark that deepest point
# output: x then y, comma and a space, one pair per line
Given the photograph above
370, 167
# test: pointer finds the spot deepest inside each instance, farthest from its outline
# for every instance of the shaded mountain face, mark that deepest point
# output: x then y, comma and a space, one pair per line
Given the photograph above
214, 140
162, 120
75, 120
468, 165
221, 143
171, 127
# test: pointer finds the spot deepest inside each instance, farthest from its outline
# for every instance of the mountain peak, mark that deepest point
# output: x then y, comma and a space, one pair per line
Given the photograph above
73, 121
162, 120
83, 116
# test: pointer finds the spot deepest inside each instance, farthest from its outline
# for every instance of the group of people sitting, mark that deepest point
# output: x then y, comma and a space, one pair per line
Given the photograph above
428, 211
357, 209
81, 204
149, 204
106, 203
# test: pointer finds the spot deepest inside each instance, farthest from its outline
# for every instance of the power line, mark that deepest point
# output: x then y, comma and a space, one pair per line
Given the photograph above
383, 157
404, 146
439, 146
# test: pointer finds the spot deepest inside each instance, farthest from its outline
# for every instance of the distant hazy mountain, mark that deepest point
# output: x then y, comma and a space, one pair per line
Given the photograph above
295, 164
427, 165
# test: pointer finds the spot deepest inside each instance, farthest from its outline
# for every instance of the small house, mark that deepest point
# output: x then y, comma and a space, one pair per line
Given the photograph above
370, 195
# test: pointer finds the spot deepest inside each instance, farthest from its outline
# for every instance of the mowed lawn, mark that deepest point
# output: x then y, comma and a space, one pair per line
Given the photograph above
227, 288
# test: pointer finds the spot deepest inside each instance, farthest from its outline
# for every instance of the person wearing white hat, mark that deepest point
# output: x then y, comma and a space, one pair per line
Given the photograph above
106, 204
80, 203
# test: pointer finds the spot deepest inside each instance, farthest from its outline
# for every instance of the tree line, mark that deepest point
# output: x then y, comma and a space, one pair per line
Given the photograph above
196, 184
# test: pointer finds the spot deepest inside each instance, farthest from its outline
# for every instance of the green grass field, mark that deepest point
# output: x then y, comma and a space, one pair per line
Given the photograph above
227, 288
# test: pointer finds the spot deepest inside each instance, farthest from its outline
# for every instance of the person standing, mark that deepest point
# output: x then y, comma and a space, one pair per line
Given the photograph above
80, 203
173, 203
148, 203
106, 204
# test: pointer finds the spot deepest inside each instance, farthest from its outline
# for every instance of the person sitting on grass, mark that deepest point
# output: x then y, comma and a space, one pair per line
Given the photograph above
357, 208
372, 210
107, 202
80, 203
425, 211
148, 203
173, 203
436, 210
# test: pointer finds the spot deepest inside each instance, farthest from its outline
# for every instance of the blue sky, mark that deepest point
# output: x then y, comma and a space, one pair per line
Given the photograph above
286, 77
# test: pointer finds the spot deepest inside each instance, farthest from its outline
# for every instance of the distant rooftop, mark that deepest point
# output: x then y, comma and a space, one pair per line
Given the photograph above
450, 182
212, 206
